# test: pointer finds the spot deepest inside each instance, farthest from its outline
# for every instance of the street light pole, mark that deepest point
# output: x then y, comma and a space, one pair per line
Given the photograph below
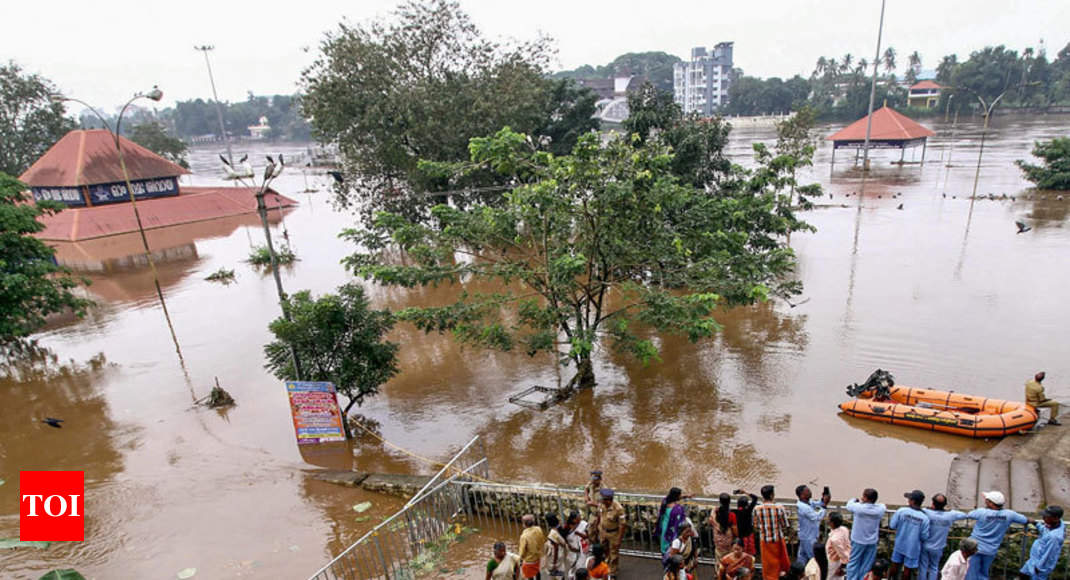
984, 131
155, 94
872, 93
261, 208
218, 106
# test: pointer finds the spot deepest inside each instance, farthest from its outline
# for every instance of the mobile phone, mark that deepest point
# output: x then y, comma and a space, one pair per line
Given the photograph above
826, 491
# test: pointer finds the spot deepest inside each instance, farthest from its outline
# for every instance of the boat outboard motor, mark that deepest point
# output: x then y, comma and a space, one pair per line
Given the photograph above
879, 385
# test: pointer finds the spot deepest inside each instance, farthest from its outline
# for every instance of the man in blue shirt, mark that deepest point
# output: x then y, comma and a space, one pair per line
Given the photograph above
940, 520
992, 523
911, 527
1044, 554
865, 527
810, 512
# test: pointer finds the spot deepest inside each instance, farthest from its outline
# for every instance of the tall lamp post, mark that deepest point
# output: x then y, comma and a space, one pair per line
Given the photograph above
154, 95
987, 109
872, 93
218, 106
271, 171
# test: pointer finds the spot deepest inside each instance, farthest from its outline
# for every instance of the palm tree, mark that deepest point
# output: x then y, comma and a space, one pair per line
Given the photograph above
915, 67
889, 60
822, 64
863, 64
833, 67
847, 60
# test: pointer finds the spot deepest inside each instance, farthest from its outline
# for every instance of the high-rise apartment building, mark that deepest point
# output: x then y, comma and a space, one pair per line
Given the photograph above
701, 85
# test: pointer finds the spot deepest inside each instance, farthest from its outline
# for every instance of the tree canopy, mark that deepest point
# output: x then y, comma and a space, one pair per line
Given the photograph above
654, 66
32, 285
417, 87
155, 138
602, 246
1054, 172
30, 121
339, 338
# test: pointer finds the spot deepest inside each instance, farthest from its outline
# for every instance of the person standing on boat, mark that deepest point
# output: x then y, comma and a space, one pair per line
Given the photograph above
1044, 554
810, 512
911, 526
1035, 397
940, 520
865, 530
992, 523
771, 521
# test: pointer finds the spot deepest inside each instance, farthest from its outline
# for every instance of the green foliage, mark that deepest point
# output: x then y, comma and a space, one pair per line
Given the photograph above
226, 276
30, 122
260, 256
418, 87
753, 96
654, 66
1054, 173
599, 246
154, 137
338, 338
64, 574
795, 148
697, 143
198, 117
32, 285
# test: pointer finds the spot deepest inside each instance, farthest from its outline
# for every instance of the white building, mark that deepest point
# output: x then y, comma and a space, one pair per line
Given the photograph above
701, 85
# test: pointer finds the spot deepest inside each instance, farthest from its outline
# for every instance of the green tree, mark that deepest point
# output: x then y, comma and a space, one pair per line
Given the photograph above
795, 148
604, 246
697, 143
418, 87
654, 66
339, 338
32, 285
1054, 173
153, 137
30, 121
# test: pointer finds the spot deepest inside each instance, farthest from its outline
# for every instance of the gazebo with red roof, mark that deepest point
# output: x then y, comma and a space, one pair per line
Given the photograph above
82, 169
890, 130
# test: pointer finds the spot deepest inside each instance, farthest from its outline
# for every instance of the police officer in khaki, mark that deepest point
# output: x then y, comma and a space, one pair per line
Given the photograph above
612, 524
592, 497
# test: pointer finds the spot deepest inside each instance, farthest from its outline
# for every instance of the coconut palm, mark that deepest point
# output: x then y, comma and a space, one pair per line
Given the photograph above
847, 61
822, 64
889, 60
863, 64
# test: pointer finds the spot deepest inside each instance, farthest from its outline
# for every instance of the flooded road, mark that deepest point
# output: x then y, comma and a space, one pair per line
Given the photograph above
942, 293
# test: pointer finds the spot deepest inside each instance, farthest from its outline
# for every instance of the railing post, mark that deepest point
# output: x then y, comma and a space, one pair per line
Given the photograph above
382, 560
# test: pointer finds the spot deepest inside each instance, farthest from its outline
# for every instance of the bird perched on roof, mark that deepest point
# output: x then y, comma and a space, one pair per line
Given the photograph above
900, 206
278, 168
52, 422
1022, 228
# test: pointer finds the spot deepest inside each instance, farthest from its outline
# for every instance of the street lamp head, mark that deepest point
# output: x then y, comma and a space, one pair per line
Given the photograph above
57, 98
155, 94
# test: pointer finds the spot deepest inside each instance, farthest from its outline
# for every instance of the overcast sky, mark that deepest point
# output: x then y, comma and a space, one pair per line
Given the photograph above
103, 51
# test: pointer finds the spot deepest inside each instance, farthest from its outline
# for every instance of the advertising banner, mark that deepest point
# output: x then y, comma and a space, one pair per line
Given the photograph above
143, 189
317, 418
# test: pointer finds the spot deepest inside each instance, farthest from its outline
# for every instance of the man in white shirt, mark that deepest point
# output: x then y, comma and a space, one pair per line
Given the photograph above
958, 562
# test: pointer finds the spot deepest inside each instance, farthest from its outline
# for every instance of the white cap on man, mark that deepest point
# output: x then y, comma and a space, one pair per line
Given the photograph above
995, 497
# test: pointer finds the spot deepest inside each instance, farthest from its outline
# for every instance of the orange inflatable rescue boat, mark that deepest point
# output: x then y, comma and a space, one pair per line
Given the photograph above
879, 399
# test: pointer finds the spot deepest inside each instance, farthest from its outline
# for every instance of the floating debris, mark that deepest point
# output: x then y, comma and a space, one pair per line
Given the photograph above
218, 397
222, 275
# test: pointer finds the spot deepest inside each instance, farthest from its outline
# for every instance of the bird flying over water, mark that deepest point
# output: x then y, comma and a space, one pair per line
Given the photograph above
1022, 228
243, 158
52, 422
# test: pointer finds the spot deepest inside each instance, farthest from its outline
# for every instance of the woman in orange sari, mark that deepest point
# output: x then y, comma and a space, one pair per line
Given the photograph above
735, 560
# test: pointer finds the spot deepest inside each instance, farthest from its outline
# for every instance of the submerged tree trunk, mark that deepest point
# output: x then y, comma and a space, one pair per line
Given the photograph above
583, 379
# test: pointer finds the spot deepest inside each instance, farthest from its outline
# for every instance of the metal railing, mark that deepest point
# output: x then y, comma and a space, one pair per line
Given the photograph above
405, 545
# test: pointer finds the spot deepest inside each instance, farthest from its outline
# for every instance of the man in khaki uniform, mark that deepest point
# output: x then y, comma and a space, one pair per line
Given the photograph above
1034, 396
592, 497
612, 523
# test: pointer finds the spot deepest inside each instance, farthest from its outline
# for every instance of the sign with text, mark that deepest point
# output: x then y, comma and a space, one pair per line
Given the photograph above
69, 196
51, 506
143, 189
317, 418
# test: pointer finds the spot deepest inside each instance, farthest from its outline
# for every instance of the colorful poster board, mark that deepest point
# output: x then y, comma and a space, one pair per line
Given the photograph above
314, 406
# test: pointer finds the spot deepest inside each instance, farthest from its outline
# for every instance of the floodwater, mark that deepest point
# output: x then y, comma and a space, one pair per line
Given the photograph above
942, 293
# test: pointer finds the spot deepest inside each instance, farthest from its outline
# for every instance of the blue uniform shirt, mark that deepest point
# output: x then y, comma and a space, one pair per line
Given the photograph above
911, 529
866, 523
810, 515
939, 525
1044, 554
991, 526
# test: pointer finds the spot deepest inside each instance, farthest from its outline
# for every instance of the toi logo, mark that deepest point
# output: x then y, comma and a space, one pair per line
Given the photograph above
52, 506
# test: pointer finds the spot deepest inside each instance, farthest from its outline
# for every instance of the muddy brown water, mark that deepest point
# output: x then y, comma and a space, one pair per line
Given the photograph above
943, 293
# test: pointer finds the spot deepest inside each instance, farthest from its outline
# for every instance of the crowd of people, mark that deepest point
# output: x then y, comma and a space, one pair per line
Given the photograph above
756, 531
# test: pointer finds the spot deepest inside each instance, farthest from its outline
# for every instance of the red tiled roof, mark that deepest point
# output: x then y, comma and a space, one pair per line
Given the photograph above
87, 157
194, 204
888, 125
925, 85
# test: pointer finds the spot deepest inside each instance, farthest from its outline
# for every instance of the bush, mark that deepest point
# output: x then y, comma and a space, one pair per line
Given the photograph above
260, 256
1055, 172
